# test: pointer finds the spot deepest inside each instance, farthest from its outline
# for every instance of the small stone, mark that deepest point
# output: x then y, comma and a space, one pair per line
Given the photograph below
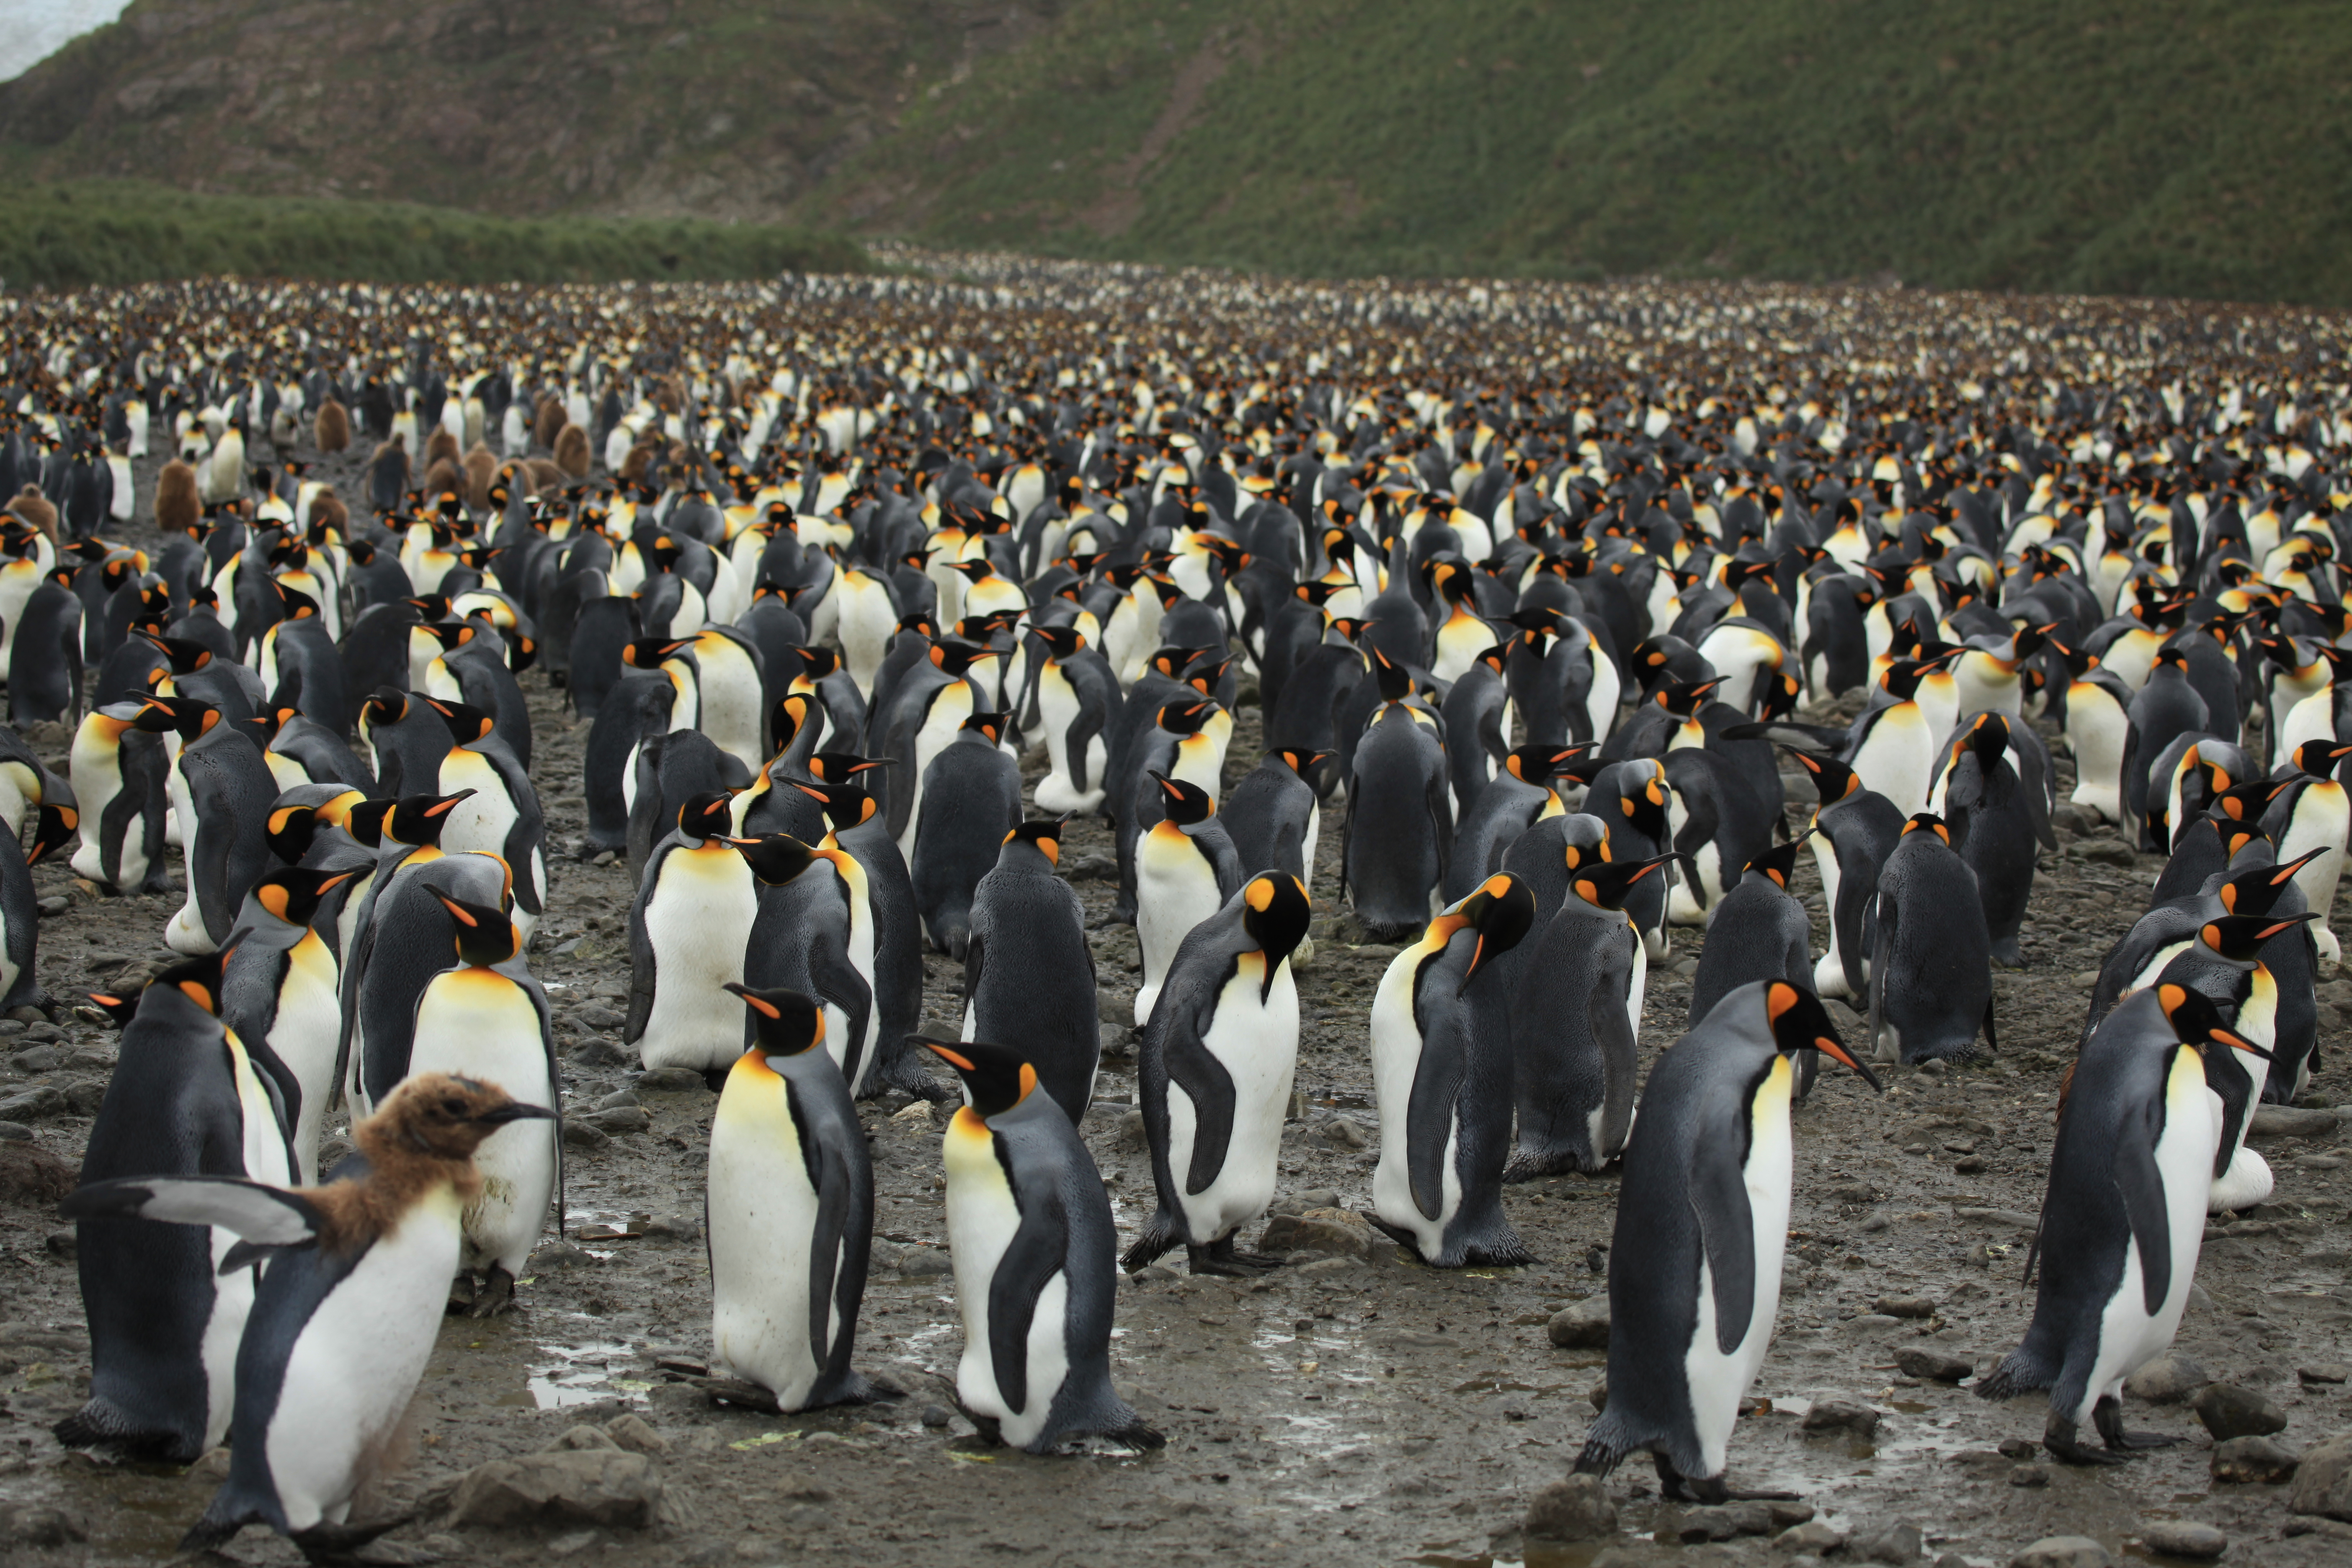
15, 1132
1341, 1133
914, 1113
935, 1415
2253, 1461
637, 1435
2107, 852
2064, 1552
2029, 1476
1905, 1305
36, 1104
925, 1263
581, 1438
619, 1118
1812, 1538
596, 1051
608, 1486
2290, 1121
1116, 1008
595, 1016
1894, 1543
2229, 1412
581, 1134
2324, 1372
55, 904
2018, 1448
1840, 1415
1691, 1526
1577, 1508
2167, 1380
2183, 1538
1934, 1366
39, 1525
2323, 1484
40, 1059
1315, 1198
61, 1243
1338, 1232
1581, 1327
559, 1255
670, 1081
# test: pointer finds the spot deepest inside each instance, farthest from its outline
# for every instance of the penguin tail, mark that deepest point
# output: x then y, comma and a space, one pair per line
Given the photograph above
1598, 1456
2021, 1371
1158, 1238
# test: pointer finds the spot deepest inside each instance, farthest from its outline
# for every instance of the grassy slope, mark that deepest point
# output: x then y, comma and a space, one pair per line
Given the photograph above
2161, 146
89, 232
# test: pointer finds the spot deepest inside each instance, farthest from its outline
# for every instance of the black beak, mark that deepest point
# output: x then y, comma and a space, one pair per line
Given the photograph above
514, 1110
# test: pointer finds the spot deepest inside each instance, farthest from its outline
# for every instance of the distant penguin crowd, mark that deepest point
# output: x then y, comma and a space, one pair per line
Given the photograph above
1569, 616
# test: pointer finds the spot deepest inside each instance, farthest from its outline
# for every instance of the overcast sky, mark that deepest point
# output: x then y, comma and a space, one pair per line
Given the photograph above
33, 30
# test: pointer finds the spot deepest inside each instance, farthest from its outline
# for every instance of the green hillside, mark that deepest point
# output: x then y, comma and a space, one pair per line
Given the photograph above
2145, 146
65, 235
2150, 146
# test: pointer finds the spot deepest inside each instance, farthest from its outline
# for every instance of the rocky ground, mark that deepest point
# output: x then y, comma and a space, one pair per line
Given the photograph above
1354, 1407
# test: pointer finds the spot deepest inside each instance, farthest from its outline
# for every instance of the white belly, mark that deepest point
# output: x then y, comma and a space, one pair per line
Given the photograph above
305, 1036
185, 932
1057, 709
355, 1366
1716, 1380
1258, 1048
478, 1023
1396, 1059
698, 921
2095, 732
731, 700
1175, 889
983, 1218
947, 711
763, 1213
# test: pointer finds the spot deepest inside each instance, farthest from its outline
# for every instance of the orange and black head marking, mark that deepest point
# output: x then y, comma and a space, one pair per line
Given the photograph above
1929, 822
486, 937
997, 1077
1800, 1022
707, 815
1275, 914
1044, 835
784, 1022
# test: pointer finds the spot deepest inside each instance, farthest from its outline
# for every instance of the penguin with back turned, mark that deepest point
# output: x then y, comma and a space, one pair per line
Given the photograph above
186, 1099
1400, 827
485, 1019
1274, 817
1035, 1254
789, 1207
348, 1308
1702, 1221
1931, 966
20, 910
1441, 1072
856, 824
801, 942
1513, 801
2122, 1220
971, 800
1997, 818
1028, 973
1759, 931
1214, 1075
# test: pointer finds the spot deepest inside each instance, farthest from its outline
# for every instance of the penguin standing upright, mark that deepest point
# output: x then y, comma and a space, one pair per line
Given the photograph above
1512, 802
2315, 812
20, 910
222, 791
1852, 831
687, 926
500, 815
1442, 1073
1997, 816
2098, 723
790, 1201
1759, 931
281, 992
1400, 827
804, 941
121, 788
1702, 1223
1214, 1075
1028, 973
1931, 968
485, 1019
1274, 817
2166, 709
971, 799
1077, 700
165, 1317
2123, 1218
1575, 1021
347, 1310
858, 828
1185, 870
1035, 1254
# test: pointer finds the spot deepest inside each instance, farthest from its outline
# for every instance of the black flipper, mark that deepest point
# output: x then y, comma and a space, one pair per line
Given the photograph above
1430, 1109
1718, 1198
2141, 1186
1032, 1259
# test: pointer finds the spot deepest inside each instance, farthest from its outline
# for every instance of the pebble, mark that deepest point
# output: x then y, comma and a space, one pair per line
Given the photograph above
619, 1118
1812, 1537
1584, 1326
2029, 1476
2229, 1412
1342, 1132
1894, 1544
1840, 1415
40, 1059
580, 1134
670, 1081
596, 1051
935, 1415
925, 1262
2248, 1461
55, 904
1905, 1305
2288, 1122
1913, 1361
2064, 1552
2325, 1373
2184, 1538
15, 1132
1577, 1508
2167, 1380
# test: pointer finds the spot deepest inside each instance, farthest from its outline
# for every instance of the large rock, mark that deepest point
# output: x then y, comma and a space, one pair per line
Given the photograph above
2323, 1482
2287, 1121
2064, 1552
601, 1486
1342, 1232
2167, 1380
2250, 1461
1581, 1327
2229, 1412
1577, 1508
1894, 1544
2184, 1538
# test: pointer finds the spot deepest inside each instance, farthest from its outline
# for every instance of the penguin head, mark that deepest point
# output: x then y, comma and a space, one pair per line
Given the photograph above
57, 826
1684, 699
1501, 911
1779, 863
791, 711
1927, 822
1537, 765
365, 819
991, 726
846, 801
995, 1078
2239, 939
2318, 758
190, 715
1607, 884
1298, 759
2197, 1021
417, 819
440, 1115
199, 979
486, 937
707, 815
647, 653
1186, 803
1204, 674
187, 655
2247, 801
784, 1023
454, 635
776, 858
293, 893
465, 724
1394, 680
1988, 737
1043, 835
1275, 912
2254, 891
386, 707
1777, 695
299, 605
1187, 717
119, 1009
1644, 804
2171, 658
956, 658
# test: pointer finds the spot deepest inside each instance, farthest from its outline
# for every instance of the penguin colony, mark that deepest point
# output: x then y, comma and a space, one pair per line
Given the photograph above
1550, 632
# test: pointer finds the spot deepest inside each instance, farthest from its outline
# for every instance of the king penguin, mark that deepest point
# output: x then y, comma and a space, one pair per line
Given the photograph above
693, 913
1931, 968
1185, 870
1215, 1076
971, 799
1702, 1221
1035, 1253
1442, 1074
790, 1206
1028, 973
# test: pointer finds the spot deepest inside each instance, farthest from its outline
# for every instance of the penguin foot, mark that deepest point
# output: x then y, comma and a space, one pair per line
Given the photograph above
496, 1295
2058, 1435
735, 1391
337, 1542
1525, 1166
1220, 1258
2107, 1416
